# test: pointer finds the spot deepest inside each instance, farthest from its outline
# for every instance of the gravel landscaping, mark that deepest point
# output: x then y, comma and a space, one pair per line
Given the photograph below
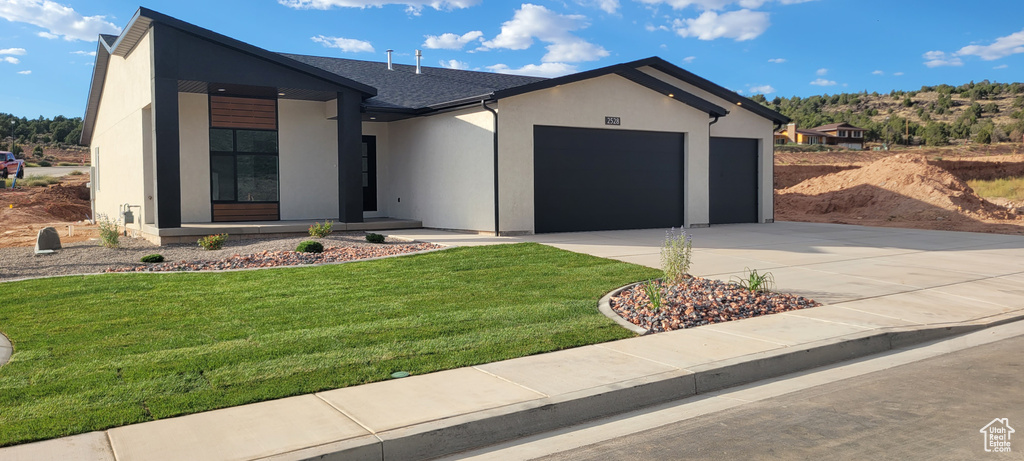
698, 301
91, 258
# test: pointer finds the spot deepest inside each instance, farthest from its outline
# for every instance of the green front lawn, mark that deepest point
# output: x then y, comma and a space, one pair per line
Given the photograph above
95, 352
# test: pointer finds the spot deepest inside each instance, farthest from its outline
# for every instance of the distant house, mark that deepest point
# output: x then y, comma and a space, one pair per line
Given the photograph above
834, 134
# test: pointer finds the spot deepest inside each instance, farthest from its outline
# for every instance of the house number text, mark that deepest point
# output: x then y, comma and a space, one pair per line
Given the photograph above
612, 121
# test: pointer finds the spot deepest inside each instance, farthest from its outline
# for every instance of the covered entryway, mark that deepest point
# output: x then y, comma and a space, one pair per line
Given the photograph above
733, 180
595, 179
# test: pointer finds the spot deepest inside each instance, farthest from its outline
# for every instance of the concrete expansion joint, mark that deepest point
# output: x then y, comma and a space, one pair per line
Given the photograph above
510, 381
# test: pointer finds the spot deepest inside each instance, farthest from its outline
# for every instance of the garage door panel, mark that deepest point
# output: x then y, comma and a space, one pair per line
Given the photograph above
589, 179
733, 184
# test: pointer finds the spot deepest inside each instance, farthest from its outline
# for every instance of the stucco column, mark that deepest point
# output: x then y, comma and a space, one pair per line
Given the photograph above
350, 158
166, 141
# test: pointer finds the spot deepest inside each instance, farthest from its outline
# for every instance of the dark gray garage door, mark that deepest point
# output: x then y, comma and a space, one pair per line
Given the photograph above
588, 179
733, 181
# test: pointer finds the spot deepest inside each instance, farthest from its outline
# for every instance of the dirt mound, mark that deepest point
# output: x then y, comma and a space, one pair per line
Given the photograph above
24, 211
898, 188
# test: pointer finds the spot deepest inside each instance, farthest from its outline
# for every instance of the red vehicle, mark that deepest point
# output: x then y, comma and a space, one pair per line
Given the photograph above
10, 165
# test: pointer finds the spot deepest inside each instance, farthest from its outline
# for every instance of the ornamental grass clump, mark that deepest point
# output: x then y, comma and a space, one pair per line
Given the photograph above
755, 282
653, 290
109, 232
213, 242
676, 256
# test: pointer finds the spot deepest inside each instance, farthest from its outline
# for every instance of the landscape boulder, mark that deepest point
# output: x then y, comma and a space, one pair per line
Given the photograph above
48, 240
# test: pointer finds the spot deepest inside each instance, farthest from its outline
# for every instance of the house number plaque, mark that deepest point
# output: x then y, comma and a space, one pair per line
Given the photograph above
612, 121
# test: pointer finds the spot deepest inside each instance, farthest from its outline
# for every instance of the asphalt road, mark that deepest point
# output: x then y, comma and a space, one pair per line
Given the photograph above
54, 170
929, 409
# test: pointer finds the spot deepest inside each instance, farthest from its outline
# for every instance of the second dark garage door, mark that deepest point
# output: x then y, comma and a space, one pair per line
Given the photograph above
591, 179
733, 180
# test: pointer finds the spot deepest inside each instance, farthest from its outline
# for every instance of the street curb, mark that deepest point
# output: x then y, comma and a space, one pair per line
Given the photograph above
605, 306
461, 433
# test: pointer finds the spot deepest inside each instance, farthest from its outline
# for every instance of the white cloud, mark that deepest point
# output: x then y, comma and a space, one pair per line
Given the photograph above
823, 82
534, 21
451, 41
653, 28
609, 6
1001, 67
57, 19
547, 69
762, 89
13, 51
941, 58
412, 6
454, 64
11, 59
898, 74
84, 53
822, 72
1001, 48
48, 35
689, 59
348, 45
738, 25
777, 60
715, 5
878, 72
25, 72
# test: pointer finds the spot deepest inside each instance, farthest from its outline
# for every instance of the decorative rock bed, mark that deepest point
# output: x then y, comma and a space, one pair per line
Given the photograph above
283, 258
699, 301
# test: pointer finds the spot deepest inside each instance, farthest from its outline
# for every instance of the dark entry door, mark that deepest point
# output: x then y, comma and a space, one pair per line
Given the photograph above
733, 180
593, 179
369, 173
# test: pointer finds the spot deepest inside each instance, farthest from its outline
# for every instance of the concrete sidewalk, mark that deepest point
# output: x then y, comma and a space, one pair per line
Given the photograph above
886, 288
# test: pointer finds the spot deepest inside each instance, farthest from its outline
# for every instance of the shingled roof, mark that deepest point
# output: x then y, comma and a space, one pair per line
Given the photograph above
403, 88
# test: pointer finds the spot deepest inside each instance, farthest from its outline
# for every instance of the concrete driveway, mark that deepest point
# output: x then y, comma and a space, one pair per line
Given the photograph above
914, 275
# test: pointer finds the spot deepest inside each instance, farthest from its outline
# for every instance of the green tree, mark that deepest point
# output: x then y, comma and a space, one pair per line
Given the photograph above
38, 151
936, 134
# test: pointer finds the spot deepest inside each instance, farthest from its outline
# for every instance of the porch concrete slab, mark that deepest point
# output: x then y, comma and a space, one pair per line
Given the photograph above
245, 432
573, 370
927, 307
692, 346
1007, 291
890, 269
789, 331
839, 314
92, 446
418, 399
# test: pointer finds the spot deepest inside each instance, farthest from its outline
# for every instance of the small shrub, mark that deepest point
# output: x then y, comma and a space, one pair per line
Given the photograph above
75, 173
109, 232
213, 242
375, 238
39, 181
153, 258
755, 282
321, 230
45, 163
653, 290
675, 255
310, 246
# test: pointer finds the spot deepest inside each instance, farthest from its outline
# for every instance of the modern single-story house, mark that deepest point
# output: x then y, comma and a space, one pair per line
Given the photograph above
189, 128
833, 134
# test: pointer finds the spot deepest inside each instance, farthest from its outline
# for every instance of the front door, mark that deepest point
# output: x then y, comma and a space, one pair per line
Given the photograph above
369, 173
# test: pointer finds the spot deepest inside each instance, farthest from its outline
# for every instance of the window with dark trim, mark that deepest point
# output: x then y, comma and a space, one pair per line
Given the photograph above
243, 165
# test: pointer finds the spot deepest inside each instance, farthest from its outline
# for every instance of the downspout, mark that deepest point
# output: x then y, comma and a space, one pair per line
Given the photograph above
497, 227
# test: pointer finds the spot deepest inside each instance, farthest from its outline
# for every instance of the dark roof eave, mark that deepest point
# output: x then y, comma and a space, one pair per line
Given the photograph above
709, 86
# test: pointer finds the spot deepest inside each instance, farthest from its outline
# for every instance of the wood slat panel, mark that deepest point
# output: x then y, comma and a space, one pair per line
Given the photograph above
228, 112
223, 212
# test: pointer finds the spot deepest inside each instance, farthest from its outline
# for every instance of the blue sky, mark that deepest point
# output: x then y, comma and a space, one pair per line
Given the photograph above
777, 47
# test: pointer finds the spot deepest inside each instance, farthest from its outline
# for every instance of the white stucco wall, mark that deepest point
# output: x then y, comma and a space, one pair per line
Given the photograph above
308, 160
440, 170
584, 105
194, 139
740, 123
119, 134
381, 132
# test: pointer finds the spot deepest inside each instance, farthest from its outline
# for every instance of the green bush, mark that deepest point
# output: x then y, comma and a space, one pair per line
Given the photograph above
75, 173
109, 232
310, 246
374, 238
321, 230
45, 163
38, 181
153, 258
213, 242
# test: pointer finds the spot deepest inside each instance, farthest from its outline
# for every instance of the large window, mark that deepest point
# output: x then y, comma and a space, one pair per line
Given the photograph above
243, 165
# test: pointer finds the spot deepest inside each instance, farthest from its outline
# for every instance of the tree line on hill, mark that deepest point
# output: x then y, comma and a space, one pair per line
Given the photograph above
60, 131
934, 115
